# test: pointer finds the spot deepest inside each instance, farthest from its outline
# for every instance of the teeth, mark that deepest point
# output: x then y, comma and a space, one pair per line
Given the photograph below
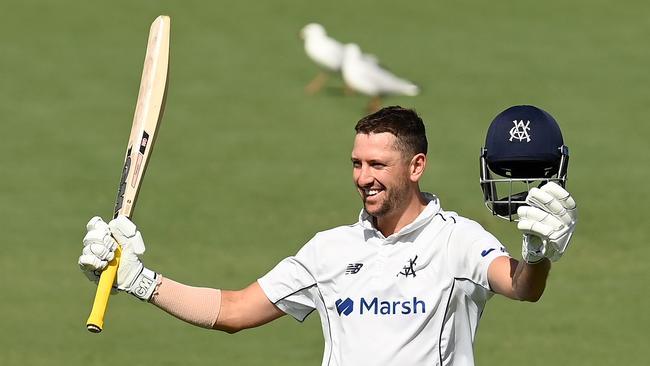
372, 192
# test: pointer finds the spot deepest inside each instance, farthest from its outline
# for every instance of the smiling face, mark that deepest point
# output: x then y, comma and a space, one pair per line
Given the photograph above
382, 174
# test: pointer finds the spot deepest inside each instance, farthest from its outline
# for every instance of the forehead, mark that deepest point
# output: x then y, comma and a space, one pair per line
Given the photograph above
375, 146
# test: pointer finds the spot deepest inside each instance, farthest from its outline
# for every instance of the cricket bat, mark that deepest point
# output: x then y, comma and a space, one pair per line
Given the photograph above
148, 114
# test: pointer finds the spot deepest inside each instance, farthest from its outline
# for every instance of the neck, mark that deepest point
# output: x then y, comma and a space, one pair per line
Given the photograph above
390, 224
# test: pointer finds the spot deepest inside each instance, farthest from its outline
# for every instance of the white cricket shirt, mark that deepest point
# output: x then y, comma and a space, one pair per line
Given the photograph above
413, 298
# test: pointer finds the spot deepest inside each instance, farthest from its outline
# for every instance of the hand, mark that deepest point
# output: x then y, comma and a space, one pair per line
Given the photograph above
100, 243
548, 223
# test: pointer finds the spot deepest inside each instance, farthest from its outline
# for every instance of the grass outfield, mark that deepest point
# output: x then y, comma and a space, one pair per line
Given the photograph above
247, 167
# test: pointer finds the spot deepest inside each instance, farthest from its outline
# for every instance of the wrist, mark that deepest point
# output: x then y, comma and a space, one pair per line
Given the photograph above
535, 262
144, 284
532, 249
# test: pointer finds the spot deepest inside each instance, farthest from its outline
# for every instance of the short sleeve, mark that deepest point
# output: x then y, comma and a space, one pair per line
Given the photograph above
471, 250
288, 285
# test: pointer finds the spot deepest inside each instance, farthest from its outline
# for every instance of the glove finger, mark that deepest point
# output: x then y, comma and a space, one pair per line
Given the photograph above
565, 199
544, 200
89, 262
536, 214
100, 237
126, 233
526, 212
100, 251
93, 237
535, 227
122, 227
96, 223
560, 194
547, 202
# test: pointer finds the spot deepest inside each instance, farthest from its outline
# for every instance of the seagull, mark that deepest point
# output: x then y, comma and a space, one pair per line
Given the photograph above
325, 51
365, 75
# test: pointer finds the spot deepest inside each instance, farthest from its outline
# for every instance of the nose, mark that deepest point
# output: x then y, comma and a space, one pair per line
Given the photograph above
363, 176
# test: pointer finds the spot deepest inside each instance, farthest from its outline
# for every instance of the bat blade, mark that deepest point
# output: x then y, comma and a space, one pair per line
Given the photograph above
146, 120
148, 114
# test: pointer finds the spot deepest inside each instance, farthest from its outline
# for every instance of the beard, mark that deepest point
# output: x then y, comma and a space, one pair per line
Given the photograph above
394, 198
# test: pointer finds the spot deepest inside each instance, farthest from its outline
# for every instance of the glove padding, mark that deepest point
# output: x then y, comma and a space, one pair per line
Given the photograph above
100, 243
548, 223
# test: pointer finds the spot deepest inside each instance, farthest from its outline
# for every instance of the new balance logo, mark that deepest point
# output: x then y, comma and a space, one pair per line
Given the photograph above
520, 131
375, 306
353, 268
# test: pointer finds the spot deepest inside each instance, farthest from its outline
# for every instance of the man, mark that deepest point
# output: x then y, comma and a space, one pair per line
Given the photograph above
405, 285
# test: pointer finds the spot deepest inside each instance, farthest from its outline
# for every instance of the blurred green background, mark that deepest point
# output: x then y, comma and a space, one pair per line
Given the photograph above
247, 167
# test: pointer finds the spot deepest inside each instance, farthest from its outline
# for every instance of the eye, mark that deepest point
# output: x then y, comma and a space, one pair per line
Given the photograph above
377, 165
356, 164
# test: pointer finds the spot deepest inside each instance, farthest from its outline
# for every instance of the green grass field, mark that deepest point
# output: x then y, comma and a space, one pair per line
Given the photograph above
247, 167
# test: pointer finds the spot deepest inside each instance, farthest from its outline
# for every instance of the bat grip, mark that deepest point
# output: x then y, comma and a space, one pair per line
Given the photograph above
95, 321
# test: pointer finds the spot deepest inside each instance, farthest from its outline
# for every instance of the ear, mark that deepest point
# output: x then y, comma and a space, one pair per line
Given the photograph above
416, 167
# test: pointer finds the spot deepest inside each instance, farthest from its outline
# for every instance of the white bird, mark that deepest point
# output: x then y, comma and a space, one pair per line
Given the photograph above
365, 75
325, 51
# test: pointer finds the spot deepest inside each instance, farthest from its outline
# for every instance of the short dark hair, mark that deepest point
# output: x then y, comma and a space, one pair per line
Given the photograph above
403, 123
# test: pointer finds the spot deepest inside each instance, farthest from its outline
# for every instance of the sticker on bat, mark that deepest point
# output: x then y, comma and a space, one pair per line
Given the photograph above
144, 141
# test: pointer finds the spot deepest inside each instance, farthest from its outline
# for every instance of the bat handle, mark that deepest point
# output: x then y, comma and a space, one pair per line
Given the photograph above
95, 321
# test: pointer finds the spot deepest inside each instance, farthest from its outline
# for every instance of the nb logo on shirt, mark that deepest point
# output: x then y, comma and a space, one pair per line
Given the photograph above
353, 268
375, 306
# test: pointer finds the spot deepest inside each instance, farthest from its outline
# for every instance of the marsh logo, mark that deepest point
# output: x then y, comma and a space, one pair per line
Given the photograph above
344, 307
375, 306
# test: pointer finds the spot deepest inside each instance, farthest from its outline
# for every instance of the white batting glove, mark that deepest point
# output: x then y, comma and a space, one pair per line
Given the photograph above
100, 243
548, 223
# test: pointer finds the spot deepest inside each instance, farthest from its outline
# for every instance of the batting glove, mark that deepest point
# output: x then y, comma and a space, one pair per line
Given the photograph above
547, 223
100, 243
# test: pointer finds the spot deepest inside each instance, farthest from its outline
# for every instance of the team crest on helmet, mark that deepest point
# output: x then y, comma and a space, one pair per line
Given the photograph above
520, 131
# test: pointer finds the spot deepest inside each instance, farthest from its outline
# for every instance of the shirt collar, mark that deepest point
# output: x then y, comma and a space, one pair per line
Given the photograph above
432, 208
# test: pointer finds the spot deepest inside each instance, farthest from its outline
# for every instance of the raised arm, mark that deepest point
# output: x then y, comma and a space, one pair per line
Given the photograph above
547, 225
210, 308
229, 311
518, 280
247, 308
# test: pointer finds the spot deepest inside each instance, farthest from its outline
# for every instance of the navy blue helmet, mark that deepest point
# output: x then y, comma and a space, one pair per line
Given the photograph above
523, 149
